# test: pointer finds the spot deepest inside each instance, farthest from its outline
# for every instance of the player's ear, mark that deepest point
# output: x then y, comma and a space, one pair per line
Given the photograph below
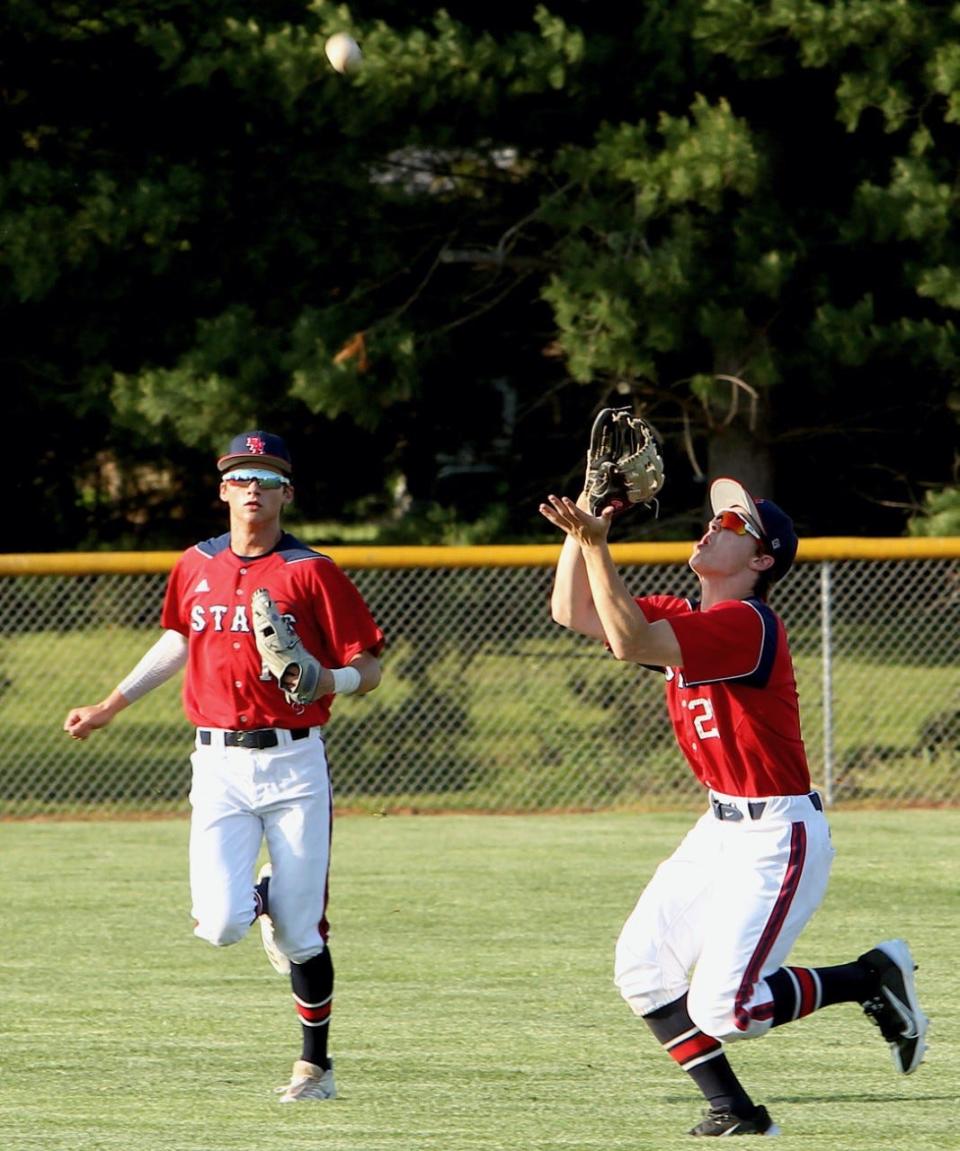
288, 493
762, 562
223, 491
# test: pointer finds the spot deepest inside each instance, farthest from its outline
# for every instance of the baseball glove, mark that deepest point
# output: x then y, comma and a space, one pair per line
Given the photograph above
624, 465
281, 649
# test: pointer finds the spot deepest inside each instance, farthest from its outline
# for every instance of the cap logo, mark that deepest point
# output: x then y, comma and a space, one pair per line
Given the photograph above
255, 445
775, 543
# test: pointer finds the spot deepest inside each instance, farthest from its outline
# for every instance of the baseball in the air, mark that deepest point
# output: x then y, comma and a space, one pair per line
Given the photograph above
343, 52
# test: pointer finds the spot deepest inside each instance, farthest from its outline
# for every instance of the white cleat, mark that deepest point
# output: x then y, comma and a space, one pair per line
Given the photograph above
278, 961
308, 1082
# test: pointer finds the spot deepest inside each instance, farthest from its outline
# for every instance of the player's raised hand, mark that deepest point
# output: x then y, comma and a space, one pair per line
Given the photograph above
574, 519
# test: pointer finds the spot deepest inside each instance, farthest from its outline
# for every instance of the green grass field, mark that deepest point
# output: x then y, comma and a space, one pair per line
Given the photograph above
475, 1009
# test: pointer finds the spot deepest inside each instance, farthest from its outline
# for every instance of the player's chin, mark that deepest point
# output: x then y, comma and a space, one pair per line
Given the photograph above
698, 561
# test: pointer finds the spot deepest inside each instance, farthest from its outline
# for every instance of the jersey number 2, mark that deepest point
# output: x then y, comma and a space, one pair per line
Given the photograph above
705, 722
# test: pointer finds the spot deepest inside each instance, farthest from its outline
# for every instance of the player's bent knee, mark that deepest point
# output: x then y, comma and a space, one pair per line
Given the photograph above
713, 1017
221, 932
640, 981
640, 1005
723, 1017
298, 947
717, 1026
304, 955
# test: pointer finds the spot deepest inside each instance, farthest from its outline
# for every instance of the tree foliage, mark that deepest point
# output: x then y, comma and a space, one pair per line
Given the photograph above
738, 216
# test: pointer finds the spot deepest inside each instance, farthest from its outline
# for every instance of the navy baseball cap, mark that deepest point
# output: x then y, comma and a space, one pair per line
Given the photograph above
257, 448
773, 523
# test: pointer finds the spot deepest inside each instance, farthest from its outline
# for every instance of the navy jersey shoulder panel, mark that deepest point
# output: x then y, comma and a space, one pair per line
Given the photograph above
291, 550
760, 676
214, 546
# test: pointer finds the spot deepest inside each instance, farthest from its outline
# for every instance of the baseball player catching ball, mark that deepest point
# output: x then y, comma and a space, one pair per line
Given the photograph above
702, 958
269, 631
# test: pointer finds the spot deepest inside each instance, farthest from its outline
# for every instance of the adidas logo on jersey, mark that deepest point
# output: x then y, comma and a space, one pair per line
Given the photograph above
202, 586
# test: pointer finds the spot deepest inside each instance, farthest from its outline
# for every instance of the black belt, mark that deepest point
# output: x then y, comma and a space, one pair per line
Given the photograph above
755, 808
258, 738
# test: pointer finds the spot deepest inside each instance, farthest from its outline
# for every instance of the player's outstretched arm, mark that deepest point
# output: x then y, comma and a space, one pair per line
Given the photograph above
571, 603
163, 660
590, 595
629, 633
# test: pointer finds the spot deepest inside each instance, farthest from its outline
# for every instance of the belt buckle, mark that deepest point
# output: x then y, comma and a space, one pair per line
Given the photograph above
240, 738
727, 811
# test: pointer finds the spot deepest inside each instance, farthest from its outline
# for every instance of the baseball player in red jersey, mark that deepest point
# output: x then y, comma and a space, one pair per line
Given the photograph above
702, 958
259, 764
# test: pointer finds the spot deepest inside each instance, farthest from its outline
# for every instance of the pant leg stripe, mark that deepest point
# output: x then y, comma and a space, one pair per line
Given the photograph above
774, 925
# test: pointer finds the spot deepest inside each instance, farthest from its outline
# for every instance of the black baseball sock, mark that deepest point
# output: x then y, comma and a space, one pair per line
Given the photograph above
701, 1056
798, 991
312, 984
261, 898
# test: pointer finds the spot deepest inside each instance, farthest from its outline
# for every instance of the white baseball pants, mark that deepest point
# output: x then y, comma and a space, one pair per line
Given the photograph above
239, 797
728, 906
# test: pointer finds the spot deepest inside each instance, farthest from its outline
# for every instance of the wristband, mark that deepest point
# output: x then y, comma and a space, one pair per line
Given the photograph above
346, 680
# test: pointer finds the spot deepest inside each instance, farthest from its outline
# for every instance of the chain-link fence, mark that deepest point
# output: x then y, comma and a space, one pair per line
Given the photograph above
486, 704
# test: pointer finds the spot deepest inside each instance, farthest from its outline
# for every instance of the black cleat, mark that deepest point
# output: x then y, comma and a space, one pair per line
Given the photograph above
719, 1121
893, 1003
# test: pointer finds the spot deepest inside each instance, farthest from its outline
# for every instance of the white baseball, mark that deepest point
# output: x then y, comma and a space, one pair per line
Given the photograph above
343, 52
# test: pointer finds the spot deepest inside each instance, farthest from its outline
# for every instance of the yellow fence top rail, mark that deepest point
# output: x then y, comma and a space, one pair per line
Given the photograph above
526, 555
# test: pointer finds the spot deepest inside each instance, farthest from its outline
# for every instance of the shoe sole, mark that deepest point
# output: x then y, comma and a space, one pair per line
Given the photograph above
773, 1129
308, 1098
330, 1091
278, 961
898, 952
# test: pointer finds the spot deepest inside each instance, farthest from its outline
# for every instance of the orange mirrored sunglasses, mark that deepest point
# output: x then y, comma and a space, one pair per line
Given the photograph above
731, 521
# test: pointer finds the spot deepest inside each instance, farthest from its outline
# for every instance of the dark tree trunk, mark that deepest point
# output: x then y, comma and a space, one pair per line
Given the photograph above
738, 452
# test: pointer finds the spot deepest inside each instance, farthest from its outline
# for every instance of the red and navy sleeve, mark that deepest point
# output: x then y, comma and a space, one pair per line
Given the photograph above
733, 640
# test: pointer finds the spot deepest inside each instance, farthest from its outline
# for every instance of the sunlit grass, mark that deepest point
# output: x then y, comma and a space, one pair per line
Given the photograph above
474, 1010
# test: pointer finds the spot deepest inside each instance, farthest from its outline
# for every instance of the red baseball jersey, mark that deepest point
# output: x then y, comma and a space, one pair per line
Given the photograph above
208, 601
733, 700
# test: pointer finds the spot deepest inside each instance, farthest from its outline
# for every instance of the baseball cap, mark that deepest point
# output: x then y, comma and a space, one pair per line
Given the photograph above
257, 447
776, 527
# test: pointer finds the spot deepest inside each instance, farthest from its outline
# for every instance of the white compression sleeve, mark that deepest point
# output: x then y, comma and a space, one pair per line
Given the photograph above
163, 660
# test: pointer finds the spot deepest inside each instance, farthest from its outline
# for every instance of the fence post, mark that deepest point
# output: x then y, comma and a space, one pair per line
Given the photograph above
826, 658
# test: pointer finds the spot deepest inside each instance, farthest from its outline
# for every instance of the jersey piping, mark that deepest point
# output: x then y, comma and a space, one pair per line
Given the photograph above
290, 549
759, 674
